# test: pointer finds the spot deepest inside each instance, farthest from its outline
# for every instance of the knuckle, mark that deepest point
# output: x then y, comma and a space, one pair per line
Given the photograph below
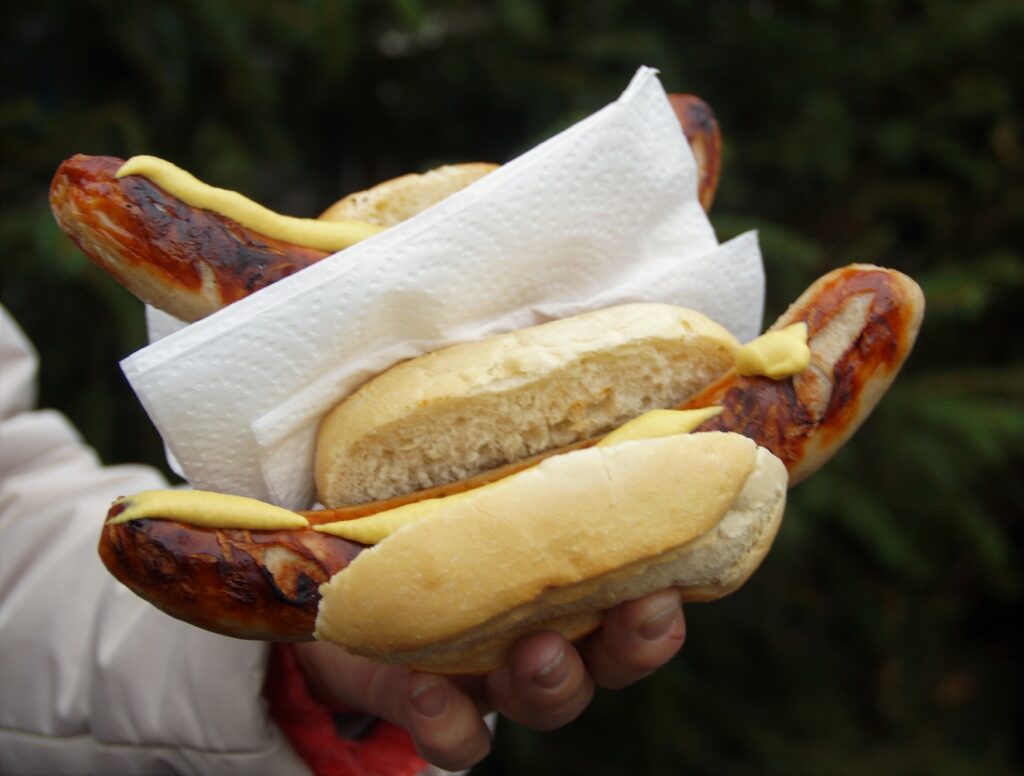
545, 715
621, 662
452, 752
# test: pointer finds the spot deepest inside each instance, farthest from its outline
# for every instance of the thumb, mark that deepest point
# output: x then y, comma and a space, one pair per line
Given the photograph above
443, 721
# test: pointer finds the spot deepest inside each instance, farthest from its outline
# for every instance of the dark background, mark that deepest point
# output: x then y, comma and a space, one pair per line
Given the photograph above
883, 634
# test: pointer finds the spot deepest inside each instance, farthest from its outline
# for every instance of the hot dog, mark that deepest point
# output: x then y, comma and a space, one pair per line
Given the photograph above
861, 323
698, 512
190, 260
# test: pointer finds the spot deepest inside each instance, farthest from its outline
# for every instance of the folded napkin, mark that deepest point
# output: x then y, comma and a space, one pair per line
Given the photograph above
603, 213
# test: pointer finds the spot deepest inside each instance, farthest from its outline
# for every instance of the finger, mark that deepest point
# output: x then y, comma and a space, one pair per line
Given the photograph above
337, 679
443, 721
545, 684
635, 639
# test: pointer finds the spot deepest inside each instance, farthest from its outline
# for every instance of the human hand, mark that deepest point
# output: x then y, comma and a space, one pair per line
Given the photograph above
547, 684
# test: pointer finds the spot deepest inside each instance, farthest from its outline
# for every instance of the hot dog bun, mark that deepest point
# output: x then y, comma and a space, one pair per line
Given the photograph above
556, 545
470, 407
398, 199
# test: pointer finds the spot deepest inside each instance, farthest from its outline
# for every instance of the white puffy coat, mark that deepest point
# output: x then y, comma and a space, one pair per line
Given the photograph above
92, 678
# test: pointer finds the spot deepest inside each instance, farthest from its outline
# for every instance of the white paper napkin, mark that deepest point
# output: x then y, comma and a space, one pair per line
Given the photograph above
604, 213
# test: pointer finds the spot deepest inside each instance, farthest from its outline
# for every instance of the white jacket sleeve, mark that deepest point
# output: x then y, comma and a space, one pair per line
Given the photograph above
94, 679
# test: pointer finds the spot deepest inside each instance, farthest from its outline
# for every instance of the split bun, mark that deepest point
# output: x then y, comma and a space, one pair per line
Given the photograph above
557, 544
476, 406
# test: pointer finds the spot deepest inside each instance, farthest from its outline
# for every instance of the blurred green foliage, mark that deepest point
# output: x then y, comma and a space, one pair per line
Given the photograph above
883, 634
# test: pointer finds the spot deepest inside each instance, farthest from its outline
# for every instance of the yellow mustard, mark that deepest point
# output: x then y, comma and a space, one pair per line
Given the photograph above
776, 354
659, 423
210, 510
308, 232
375, 528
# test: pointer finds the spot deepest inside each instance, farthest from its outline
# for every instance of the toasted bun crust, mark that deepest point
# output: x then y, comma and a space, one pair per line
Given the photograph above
395, 200
555, 546
464, 409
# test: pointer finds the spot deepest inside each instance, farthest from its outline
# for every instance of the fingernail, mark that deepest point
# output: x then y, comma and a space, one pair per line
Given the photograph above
658, 626
430, 698
553, 674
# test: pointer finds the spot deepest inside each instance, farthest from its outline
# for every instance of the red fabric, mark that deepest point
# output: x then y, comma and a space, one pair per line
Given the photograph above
385, 750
